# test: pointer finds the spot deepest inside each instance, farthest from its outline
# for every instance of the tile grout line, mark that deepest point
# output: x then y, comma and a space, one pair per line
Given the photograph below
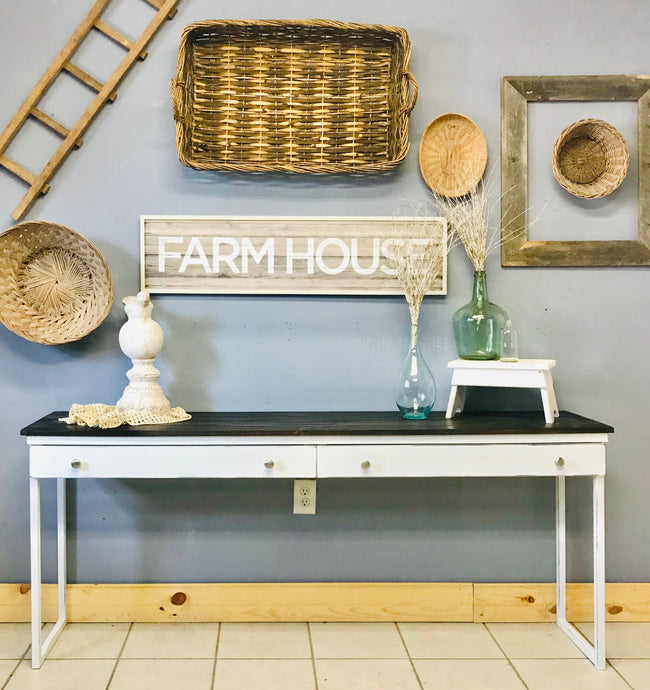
15, 668
616, 671
119, 656
408, 653
313, 658
20, 661
216, 654
507, 658
619, 674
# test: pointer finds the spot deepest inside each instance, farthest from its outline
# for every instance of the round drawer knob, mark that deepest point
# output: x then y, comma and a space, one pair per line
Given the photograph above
75, 464
365, 465
559, 462
269, 464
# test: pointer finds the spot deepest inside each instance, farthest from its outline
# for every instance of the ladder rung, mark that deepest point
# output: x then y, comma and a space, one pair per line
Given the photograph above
158, 5
53, 124
86, 78
21, 172
51, 74
116, 36
104, 92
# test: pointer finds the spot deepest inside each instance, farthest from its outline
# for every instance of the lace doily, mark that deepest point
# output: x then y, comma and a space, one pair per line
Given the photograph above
108, 416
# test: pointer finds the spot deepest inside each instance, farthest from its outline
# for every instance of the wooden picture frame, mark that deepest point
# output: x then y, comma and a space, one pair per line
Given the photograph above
516, 93
275, 255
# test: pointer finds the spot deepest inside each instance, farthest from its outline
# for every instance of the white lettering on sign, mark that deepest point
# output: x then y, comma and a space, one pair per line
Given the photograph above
354, 256
190, 260
331, 256
345, 256
293, 255
247, 249
164, 254
386, 253
218, 257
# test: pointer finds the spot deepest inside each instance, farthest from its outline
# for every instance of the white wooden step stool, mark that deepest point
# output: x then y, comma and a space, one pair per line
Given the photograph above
524, 373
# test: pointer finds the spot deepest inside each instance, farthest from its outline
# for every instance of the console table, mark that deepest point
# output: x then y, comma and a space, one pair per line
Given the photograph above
321, 445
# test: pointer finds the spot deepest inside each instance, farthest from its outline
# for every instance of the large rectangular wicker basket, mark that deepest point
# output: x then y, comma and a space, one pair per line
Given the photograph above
310, 96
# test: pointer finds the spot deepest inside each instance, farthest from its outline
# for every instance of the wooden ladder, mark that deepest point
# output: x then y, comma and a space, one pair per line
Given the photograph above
105, 92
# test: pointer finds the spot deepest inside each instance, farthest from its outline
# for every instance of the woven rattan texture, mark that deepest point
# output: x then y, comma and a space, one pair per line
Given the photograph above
309, 96
55, 285
453, 155
590, 159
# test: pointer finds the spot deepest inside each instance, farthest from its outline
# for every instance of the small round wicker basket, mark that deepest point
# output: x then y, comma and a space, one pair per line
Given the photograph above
55, 286
453, 155
590, 159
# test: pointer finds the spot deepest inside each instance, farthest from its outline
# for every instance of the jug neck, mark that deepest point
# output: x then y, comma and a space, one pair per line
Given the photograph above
480, 292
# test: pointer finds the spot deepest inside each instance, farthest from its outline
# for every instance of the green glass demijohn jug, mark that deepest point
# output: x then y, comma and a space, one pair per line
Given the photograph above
478, 324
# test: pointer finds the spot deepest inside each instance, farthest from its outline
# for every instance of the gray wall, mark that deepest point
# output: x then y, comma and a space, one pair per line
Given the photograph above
291, 353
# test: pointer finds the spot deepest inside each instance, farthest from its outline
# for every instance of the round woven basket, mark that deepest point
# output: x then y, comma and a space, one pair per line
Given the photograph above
590, 159
453, 155
55, 286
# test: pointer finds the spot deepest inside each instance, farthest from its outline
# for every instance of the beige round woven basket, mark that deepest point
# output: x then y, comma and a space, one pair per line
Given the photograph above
453, 155
590, 159
55, 286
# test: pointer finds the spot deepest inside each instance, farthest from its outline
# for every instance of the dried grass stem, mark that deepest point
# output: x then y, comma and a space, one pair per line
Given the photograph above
418, 263
467, 219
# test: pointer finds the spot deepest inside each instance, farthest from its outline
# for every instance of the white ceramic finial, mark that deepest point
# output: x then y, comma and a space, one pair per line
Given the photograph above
141, 339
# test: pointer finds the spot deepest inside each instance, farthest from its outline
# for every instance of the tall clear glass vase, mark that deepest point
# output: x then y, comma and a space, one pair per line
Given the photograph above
416, 388
478, 324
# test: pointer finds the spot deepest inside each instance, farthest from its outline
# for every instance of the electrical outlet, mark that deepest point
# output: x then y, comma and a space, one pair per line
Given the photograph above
304, 496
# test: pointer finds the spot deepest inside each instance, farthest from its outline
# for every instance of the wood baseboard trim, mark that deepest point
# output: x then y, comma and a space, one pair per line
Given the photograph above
325, 601
535, 603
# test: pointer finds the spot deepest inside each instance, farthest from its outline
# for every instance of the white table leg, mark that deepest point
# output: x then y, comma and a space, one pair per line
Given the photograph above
35, 548
62, 552
596, 652
39, 651
599, 570
560, 550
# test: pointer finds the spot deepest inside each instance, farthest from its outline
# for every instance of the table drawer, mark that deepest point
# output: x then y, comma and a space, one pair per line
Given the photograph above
428, 460
173, 461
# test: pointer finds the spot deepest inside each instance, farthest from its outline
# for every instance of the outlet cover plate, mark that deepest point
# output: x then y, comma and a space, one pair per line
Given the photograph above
304, 496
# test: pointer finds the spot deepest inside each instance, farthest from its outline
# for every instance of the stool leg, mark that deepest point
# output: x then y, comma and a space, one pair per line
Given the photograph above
451, 405
460, 398
456, 401
548, 399
551, 394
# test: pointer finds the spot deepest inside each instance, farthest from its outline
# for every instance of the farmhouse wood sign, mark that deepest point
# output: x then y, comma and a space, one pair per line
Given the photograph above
280, 255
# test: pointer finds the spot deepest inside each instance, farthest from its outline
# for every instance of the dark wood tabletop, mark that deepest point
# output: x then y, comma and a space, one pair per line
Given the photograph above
330, 424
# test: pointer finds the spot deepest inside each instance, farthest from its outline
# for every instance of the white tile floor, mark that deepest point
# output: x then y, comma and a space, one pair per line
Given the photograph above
323, 656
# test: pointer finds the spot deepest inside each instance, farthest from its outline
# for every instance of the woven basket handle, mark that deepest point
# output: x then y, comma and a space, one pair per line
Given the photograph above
412, 86
178, 100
